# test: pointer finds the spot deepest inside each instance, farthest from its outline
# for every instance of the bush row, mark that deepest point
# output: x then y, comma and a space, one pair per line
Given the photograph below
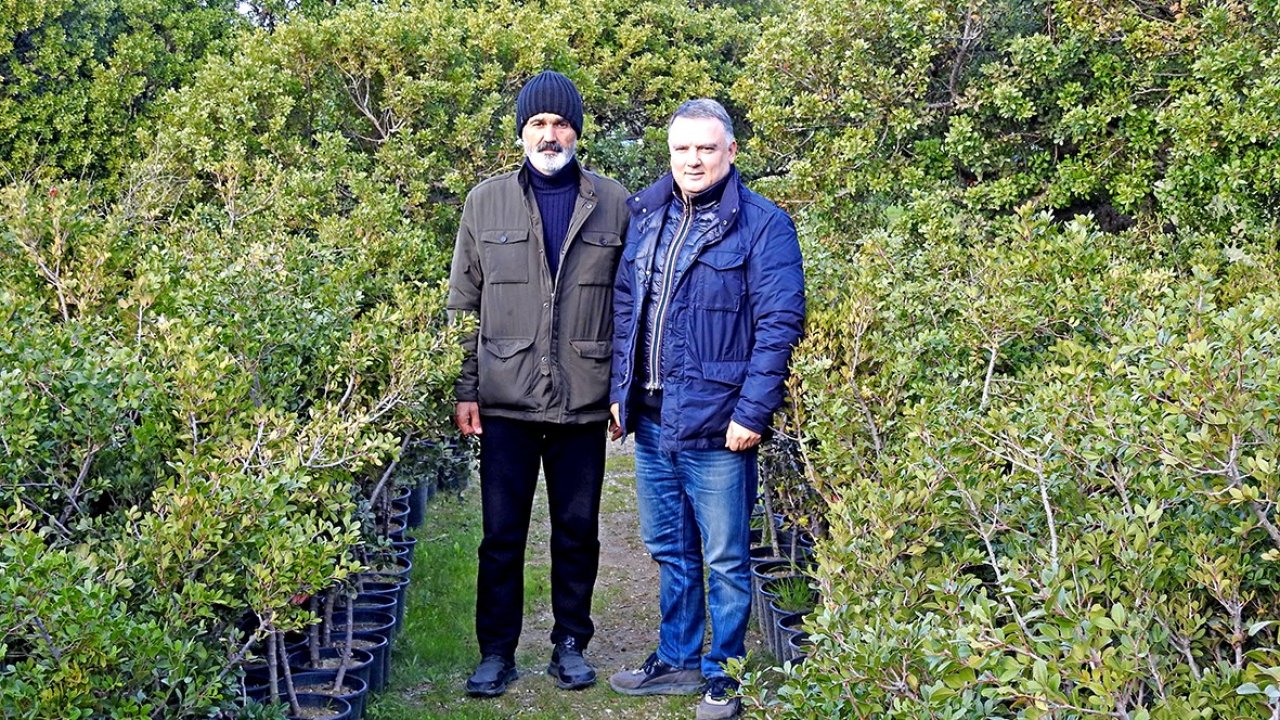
1037, 399
210, 357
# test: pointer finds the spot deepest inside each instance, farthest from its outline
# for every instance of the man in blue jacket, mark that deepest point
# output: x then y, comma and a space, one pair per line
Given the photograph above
708, 304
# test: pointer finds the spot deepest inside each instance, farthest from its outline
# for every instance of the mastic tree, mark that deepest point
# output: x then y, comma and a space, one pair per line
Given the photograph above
1038, 383
80, 78
206, 360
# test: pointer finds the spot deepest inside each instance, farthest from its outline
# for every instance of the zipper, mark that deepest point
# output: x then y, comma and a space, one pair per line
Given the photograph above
664, 298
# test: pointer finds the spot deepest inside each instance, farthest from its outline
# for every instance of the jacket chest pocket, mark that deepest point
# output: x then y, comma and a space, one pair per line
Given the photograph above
505, 254
598, 257
719, 280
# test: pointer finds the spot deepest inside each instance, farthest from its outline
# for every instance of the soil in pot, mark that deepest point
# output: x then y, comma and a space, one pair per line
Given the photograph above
397, 589
353, 690
366, 601
331, 659
379, 646
364, 621
322, 707
401, 567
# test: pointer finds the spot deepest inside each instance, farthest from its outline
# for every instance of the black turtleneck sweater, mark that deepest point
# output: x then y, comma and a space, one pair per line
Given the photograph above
555, 195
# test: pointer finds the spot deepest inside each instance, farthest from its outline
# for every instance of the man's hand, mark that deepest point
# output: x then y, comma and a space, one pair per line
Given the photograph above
467, 416
615, 427
739, 438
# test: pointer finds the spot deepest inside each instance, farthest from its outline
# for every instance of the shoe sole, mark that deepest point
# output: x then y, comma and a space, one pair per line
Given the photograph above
736, 714
554, 671
661, 689
482, 693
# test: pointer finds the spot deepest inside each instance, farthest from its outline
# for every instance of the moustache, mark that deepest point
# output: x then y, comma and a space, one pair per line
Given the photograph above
552, 146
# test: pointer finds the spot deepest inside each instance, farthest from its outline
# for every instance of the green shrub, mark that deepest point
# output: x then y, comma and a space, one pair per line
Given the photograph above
81, 77
209, 355
1037, 392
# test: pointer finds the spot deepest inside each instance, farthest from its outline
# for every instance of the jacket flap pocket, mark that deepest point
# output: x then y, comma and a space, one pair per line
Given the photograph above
729, 373
504, 237
594, 349
602, 239
722, 260
506, 347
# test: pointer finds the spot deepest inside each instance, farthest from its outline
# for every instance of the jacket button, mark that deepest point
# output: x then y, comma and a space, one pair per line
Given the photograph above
587, 206
546, 305
502, 239
544, 358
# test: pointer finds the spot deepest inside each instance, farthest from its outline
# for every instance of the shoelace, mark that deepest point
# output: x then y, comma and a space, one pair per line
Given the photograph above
720, 690
650, 664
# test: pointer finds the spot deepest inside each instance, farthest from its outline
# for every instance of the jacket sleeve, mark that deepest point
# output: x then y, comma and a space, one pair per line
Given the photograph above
466, 285
623, 309
775, 294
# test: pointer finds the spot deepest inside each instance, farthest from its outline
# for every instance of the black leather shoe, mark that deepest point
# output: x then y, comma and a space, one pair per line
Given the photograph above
569, 668
491, 677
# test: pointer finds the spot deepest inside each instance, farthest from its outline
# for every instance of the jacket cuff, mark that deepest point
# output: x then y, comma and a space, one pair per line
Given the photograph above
750, 424
466, 394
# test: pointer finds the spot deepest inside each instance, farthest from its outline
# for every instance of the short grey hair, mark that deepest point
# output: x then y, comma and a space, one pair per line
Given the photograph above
704, 108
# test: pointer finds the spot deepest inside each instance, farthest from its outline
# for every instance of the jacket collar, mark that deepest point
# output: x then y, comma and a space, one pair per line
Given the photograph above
653, 199
586, 186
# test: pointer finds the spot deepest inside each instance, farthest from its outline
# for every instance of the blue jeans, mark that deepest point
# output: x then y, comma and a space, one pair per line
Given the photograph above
696, 505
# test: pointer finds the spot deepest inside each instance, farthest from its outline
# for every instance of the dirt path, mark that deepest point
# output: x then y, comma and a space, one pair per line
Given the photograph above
625, 610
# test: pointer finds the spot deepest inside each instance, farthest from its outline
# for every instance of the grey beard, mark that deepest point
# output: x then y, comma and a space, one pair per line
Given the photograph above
551, 165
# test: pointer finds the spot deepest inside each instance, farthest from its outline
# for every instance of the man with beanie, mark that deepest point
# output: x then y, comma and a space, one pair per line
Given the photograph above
535, 259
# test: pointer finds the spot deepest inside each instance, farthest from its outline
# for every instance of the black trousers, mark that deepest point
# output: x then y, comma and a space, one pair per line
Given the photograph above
572, 458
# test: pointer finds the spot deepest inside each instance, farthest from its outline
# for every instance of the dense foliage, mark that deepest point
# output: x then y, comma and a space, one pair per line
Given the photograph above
78, 78
1039, 391
209, 358
1036, 408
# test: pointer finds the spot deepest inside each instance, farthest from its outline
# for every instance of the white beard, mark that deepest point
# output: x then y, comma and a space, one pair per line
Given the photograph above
550, 164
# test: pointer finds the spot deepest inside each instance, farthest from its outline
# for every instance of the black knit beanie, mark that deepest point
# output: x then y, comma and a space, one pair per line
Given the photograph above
549, 92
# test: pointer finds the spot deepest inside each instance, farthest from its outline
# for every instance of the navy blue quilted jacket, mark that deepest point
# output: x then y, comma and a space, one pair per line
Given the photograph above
736, 313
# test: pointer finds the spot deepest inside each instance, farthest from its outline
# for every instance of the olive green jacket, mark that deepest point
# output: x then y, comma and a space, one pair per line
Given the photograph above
543, 346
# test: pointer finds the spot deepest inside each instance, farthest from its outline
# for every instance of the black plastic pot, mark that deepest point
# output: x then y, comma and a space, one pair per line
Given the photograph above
340, 708
802, 541
404, 548
383, 602
799, 646
417, 504
763, 554
379, 646
365, 621
760, 573
361, 661
770, 612
397, 585
789, 627
354, 690
256, 688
